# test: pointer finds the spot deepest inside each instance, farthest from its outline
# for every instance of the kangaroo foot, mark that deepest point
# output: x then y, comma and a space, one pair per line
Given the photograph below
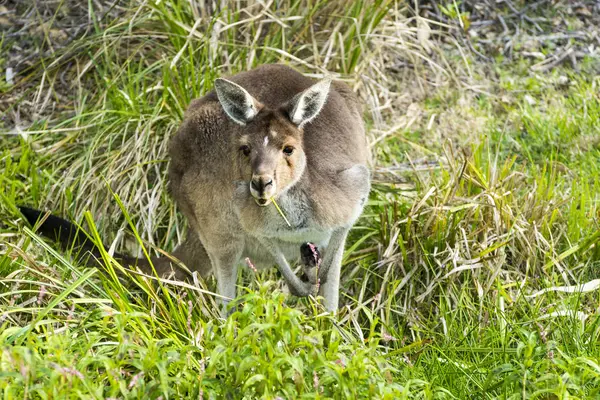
311, 261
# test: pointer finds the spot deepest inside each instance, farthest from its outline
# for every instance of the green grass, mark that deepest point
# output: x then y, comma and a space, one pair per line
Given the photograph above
484, 208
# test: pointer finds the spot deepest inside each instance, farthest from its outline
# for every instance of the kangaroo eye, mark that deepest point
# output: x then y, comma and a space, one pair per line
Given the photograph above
288, 150
245, 150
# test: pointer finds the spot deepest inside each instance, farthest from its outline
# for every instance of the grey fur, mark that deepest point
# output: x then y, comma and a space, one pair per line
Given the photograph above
321, 186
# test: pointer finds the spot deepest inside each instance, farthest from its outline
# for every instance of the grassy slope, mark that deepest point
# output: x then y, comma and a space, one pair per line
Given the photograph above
482, 198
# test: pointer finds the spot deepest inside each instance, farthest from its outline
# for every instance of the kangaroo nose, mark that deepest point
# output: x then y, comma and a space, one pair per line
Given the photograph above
260, 183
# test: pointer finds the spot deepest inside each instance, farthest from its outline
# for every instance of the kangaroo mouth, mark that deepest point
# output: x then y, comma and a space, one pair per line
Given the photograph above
262, 202
262, 191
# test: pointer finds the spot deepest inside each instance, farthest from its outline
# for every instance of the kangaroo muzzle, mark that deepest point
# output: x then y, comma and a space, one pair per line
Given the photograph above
262, 188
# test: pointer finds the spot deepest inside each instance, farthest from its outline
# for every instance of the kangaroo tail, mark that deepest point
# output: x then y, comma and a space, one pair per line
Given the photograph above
60, 230
69, 235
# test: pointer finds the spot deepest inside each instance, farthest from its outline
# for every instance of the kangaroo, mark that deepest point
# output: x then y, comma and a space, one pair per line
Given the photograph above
269, 134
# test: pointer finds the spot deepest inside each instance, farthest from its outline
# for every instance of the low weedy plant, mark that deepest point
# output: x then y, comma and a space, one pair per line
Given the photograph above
472, 273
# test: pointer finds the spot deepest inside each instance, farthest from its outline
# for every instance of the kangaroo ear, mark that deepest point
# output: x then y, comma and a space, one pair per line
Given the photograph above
305, 106
239, 105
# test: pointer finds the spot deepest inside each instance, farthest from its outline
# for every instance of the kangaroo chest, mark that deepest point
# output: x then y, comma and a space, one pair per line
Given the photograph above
298, 226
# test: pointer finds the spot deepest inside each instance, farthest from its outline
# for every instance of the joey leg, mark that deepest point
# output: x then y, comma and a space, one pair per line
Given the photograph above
297, 287
331, 267
311, 261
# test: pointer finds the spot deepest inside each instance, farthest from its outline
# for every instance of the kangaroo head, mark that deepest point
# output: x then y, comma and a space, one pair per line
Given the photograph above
269, 146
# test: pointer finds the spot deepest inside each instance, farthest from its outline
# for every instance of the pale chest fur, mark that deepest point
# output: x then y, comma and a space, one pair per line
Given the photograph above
267, 223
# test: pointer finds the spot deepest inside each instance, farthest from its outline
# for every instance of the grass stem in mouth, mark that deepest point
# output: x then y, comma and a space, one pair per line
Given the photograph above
280, 212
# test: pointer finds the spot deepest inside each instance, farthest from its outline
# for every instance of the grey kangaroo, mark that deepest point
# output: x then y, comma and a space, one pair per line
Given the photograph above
269, 133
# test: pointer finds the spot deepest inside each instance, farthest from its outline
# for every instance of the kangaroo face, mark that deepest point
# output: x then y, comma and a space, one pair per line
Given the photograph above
271, 158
